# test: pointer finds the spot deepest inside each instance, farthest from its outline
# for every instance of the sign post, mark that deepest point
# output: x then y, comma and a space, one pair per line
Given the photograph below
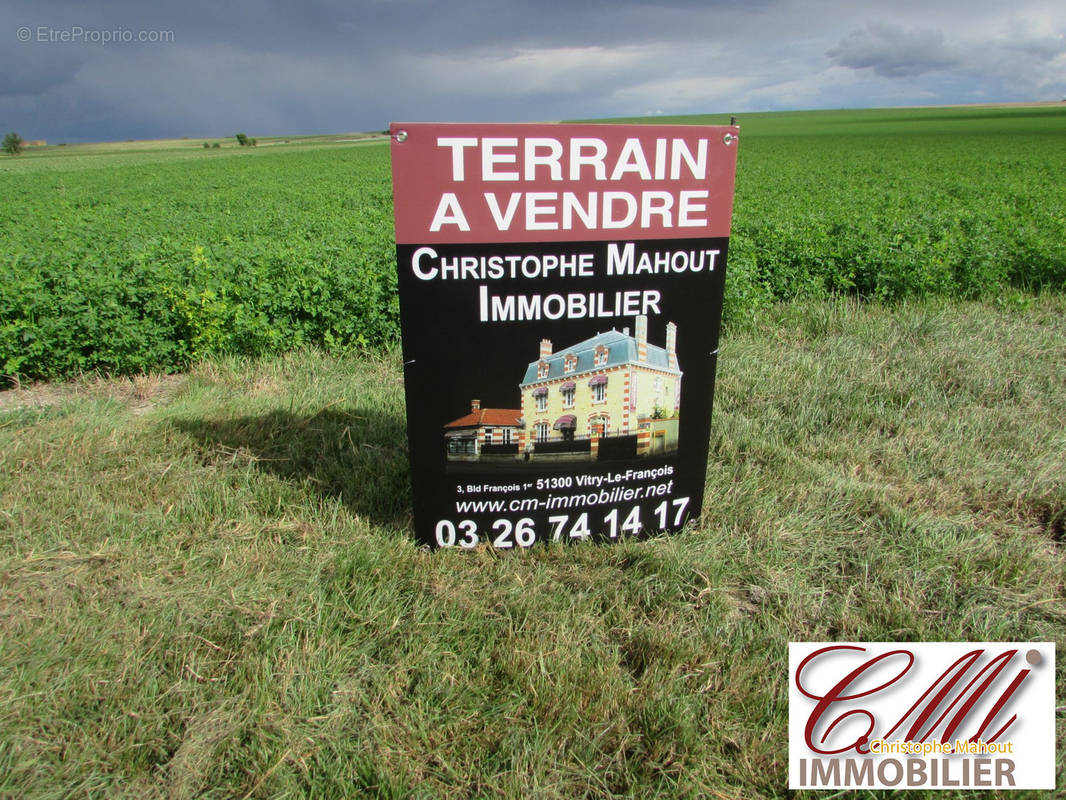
560, 300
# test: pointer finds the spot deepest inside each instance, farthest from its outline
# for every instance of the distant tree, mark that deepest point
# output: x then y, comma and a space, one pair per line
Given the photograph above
13, 144
206, 145
242, 140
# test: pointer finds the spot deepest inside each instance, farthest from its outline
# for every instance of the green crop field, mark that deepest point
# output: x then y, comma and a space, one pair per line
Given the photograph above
147, 260
209, 585
138, 257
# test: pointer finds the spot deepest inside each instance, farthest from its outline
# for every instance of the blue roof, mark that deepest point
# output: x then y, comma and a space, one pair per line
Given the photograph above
621, 349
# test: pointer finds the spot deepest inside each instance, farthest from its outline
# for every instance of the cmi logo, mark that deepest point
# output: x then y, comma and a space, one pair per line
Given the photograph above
921, 715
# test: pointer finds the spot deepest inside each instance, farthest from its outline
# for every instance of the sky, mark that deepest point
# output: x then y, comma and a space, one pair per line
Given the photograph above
100, 71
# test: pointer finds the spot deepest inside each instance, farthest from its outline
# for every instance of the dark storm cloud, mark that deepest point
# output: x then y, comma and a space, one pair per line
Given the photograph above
34, 76
330, 66
893, 52
333, 65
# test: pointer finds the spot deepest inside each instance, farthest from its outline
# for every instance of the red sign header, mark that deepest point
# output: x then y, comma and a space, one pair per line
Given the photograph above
558, 182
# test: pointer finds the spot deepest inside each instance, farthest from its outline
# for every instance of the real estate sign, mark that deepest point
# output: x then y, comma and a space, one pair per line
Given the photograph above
560, 296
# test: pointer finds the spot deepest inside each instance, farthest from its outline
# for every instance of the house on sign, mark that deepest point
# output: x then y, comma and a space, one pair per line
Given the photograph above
483, 431
610, 385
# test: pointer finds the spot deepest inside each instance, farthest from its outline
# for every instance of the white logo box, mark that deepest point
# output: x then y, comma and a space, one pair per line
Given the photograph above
921, 715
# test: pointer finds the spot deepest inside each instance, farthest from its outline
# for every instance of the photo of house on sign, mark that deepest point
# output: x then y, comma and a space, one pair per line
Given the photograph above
612, 396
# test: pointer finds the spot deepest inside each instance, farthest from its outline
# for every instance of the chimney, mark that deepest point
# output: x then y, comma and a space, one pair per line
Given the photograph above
545, 348
671, 344
475, 405
642, 338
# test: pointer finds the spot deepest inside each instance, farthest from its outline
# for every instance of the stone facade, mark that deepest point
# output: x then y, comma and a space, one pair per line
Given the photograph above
603, 386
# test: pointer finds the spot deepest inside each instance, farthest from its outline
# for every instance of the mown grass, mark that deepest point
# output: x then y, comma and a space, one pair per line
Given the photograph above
209, 587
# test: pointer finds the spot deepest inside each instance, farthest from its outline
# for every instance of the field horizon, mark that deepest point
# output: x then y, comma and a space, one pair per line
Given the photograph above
181, 141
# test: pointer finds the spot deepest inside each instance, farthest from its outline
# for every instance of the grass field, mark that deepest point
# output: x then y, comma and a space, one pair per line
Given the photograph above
209, 586
58, 157
208, 581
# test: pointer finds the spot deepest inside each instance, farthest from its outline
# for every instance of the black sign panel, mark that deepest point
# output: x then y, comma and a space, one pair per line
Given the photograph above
560, 292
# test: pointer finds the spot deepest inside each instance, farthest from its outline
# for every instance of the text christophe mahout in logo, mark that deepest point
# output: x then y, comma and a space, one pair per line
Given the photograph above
921, 715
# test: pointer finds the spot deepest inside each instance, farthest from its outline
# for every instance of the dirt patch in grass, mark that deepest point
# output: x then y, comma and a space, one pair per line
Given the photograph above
1053, 521
139, 392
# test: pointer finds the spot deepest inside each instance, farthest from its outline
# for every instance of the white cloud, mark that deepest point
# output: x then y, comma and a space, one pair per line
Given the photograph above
678, 95
564, 70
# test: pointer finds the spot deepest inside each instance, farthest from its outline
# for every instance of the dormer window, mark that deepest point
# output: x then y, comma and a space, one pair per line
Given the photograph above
542, 369
600, 357
570, 364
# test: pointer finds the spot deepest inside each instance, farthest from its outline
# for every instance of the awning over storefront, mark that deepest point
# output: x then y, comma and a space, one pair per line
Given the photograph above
599, 380
566, 421
540, 392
